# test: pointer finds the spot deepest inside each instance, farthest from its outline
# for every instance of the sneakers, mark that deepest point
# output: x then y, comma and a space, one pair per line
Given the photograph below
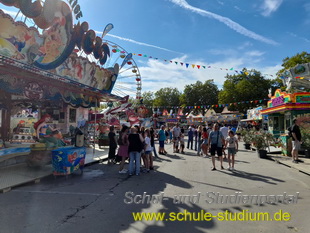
124, 171
233, 169
229, 168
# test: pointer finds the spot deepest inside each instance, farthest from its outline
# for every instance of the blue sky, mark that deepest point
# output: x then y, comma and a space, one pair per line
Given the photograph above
221, 34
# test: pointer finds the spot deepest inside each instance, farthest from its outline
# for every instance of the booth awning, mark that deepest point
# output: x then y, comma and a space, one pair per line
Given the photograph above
25, 74
244, 120
286, 107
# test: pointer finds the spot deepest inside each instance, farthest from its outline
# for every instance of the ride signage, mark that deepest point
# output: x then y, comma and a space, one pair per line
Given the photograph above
277, 101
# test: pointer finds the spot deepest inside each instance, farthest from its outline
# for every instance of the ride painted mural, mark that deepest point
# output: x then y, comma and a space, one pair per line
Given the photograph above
61, 48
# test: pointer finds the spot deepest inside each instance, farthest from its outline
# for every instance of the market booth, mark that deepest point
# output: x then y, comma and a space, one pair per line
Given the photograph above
255, 119
281, 110
49, 72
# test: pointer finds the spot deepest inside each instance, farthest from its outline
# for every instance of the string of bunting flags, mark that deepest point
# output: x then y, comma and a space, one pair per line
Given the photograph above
187, 65
211, 106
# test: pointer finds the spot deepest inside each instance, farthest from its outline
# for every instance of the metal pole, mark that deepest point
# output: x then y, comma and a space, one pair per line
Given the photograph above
95, 128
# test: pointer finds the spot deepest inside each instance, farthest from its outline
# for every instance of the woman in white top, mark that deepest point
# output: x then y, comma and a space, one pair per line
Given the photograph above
148, 150
231, 143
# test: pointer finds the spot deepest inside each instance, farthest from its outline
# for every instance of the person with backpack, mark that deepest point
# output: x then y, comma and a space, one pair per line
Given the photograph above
294, 132
123, 148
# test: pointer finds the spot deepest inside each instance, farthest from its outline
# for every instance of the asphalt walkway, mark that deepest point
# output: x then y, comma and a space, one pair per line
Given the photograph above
19, 174
16, 175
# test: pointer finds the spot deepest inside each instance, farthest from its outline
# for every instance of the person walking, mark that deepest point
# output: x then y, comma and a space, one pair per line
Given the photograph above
152, 132
123, 148
195, 132
176, 131
216, 141
112, 145
296, 140
182, 141
224, 130
134, 149
231, 143
148, 150
204, 145
161, 139
199, 140
190, 138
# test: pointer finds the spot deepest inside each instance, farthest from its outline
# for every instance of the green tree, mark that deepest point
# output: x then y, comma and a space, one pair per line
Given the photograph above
290, 62
238, 88
200, 94
148, 98
167, 97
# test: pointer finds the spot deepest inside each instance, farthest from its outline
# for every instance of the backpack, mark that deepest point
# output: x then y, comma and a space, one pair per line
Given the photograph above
289, 129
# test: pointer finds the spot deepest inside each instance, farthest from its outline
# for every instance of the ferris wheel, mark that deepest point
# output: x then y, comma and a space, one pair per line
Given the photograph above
129, 80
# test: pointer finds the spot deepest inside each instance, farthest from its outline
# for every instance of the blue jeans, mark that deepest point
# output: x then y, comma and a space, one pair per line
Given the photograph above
199, 146
135, 157
195, 143
154, 150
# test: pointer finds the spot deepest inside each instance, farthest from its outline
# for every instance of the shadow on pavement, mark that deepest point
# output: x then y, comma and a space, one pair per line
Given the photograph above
253, 176
180, 226
219, 186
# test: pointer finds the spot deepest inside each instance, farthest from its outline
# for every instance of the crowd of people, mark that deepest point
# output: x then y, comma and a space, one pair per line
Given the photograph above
138, 145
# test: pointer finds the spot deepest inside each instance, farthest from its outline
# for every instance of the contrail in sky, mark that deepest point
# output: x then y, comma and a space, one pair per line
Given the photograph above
233, 25
139, 43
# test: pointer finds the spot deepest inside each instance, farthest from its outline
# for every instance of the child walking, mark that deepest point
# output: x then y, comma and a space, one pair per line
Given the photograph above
231, 143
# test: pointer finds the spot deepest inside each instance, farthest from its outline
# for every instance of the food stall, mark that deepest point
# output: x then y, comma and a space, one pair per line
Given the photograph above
281, 110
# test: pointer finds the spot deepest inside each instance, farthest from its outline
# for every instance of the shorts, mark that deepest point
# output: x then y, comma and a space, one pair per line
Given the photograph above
205, 141
161, 144
296, 145
148, 152
231, 151
218, 150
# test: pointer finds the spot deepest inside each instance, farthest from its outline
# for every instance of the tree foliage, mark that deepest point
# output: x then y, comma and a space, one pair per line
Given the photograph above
148, 98
200, 94
290, 62
250, 85
167, 97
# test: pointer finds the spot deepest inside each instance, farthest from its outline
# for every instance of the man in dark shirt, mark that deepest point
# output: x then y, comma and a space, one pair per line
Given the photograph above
190, 138
296, 139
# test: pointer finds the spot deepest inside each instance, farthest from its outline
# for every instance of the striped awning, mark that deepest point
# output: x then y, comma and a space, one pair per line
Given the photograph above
286, 107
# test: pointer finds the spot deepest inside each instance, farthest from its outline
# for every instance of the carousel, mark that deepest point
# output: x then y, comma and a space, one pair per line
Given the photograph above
53, 71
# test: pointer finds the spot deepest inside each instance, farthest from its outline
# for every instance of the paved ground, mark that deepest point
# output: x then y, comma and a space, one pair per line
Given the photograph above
94, 201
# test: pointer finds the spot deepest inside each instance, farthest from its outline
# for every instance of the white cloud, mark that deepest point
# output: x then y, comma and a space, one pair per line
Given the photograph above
270, 6
238, 8
299, 37
158, 74
228, 22
137, 42
307, 9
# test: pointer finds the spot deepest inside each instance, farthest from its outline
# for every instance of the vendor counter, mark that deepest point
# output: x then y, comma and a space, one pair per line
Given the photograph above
66, 160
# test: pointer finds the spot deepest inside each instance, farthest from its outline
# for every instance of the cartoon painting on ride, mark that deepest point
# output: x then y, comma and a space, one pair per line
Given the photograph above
62, 48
